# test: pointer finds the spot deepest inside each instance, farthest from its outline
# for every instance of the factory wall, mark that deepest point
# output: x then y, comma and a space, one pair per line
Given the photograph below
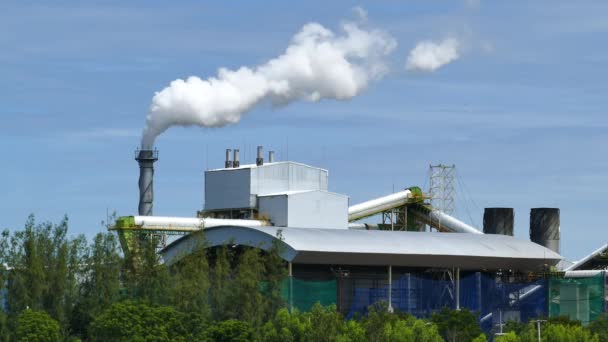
235, 188
306, 209
229, 189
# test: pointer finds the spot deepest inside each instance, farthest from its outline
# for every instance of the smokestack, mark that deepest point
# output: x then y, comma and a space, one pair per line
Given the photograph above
498, 221
146, 159
236, 162
544, 227
228, 162
260, 159
271, 156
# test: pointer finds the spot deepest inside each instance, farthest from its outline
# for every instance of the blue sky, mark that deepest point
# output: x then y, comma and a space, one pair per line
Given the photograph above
522, 112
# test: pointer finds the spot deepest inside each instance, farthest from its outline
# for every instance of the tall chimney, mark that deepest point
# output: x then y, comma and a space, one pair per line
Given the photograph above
228, 162
260, 159
544, 227
498, 221
146, 159
236, 162
271, 156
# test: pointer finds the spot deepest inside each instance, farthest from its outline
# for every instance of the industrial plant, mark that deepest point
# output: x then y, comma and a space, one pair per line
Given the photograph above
417, 257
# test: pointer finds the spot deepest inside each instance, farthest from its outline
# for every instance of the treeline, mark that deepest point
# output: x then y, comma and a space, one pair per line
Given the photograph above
62, 288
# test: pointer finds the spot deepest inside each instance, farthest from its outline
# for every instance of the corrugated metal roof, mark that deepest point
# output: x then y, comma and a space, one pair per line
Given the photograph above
362, 247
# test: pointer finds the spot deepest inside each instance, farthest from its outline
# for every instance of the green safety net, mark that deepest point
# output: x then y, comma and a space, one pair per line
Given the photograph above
303, 294
578, 298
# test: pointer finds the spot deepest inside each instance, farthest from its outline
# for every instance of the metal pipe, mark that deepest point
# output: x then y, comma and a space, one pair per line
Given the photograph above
236, 163
435, 218
260, 159
146, 159
444, 222
390, 288
228, 162
271, 156
290, 270
582, 274
457, 283
362, 226
378, 205
187, 224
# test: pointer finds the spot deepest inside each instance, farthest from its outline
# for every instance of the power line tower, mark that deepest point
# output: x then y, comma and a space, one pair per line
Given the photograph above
441, 187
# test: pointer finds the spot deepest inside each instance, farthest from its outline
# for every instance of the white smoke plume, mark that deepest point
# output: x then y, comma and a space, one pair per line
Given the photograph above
429, 56
318, 64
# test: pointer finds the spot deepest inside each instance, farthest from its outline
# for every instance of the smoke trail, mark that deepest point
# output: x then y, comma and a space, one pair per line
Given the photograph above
318, 64
429, 56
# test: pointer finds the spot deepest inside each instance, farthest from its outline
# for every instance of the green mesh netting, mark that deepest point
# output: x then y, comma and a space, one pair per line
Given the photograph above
303, 294
577, 298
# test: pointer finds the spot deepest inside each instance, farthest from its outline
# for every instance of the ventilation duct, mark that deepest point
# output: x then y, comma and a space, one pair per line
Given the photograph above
498, 221
544, 227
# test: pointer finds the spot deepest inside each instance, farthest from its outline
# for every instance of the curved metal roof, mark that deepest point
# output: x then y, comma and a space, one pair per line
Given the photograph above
374, 247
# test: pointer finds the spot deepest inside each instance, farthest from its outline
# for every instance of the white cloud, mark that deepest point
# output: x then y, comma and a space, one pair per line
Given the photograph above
429, 56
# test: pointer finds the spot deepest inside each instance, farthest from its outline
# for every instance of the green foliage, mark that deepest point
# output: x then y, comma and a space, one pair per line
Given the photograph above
600, 327
286, 327
456, 325
380, 325
480, 338
566, 333
5, 331
508, 337
565, 321
147, 279
100, 283
515, 327
132, 321
36, 326
230, 331
247, 299
220, 291
275, 273
190, 283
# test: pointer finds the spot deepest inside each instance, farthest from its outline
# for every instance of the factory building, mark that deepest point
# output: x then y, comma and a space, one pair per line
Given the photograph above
333, 259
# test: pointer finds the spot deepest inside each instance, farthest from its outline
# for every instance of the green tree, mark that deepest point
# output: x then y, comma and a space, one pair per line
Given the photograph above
146, 278
131, 321
190, 283
248, 299
380, 325
36, 326
100, 284
480, 338
5, 331
600, 327
456, 325
329, 325
221, 291
286, 327
567, 333
276, 271
230, 331
511, 336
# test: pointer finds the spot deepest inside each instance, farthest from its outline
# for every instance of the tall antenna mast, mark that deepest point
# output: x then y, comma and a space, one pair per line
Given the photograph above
441, 187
